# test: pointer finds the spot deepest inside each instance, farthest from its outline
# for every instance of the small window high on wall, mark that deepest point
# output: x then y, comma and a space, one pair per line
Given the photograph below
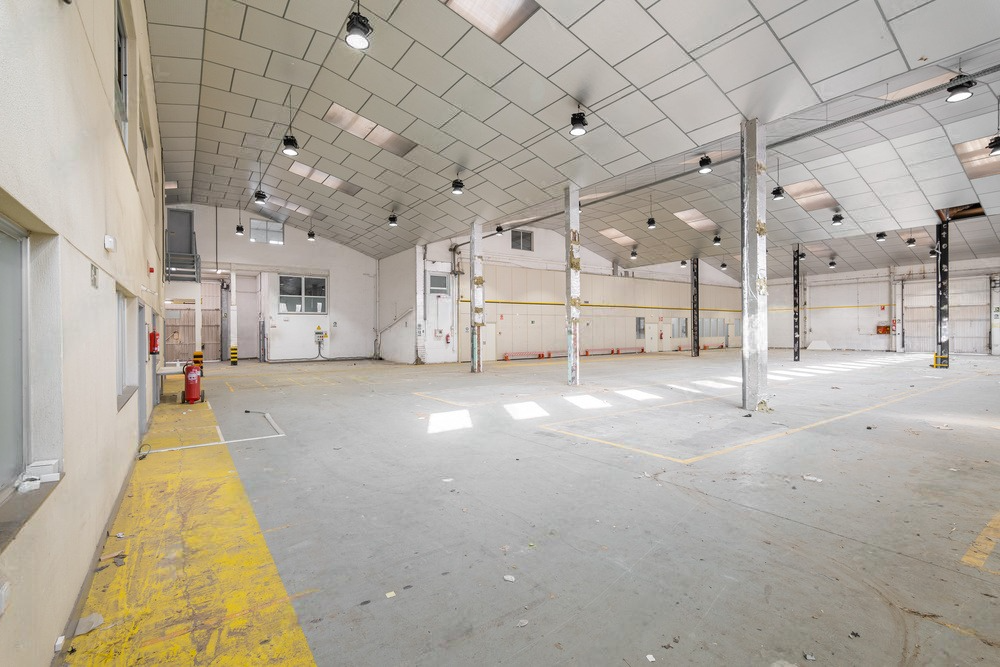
121, 74
267, 231
521, 240
302, 294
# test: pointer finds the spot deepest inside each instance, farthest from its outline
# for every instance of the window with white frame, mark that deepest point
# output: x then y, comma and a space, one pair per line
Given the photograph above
12, 354
521, 240
267, 231
302, 294
121, 350
121, 74
438, 283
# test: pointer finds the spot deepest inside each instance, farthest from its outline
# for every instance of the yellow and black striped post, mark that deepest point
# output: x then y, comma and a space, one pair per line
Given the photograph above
232, 356
199, 361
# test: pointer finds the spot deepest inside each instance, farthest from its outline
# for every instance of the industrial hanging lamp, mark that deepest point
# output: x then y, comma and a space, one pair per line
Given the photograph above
651, 223
723, 266
499, 230
311, 236
911, 242
393, 220
259, 197
994, 145
684, 263
961, 88
291, 145
239, 229
359, 30
634, 254
778, 193
717, 240
837, 220
705, 165
457, 186
880, 237
578, 123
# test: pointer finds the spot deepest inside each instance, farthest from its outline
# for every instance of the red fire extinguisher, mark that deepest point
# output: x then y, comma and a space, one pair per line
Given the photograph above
154, 342
192, 384
447, 338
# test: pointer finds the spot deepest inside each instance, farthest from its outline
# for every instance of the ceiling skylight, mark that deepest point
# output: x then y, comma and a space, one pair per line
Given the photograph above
326, 179
497, 18
617, 236
810, 195
368, 130
697, 220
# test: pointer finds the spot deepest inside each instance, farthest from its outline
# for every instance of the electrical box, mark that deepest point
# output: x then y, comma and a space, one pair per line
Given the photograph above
321, 335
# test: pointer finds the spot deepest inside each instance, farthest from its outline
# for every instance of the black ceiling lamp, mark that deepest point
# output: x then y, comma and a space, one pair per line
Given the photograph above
933, 252
393, 220
634, 254
837, 220
651, 222
311, 236
802, 254
290, 144
717, 240
778, 193
457, 186
684, 263
880, 237
499, 230
359, 30
578, 123
832, 264
911, 242
994, 145
705, 165
259, 197
960, 88
239, 229
723, 266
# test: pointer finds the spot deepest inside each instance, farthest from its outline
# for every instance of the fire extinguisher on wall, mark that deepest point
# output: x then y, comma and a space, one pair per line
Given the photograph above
154, 342
447, 338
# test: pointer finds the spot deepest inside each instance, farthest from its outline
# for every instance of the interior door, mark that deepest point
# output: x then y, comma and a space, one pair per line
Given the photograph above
247, 316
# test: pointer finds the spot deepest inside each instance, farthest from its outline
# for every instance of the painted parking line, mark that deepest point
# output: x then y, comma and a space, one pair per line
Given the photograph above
587, 402
527, 410
982, 547
637, 394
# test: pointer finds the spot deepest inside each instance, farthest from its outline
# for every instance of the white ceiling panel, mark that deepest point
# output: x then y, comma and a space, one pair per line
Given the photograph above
616, 29
694, 23
748, 57
544, 44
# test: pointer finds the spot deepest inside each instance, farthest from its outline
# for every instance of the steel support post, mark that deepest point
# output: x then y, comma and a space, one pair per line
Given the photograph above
995, 314
478, 300
753, 167
572, 213
795, 303
695, 312
941, 356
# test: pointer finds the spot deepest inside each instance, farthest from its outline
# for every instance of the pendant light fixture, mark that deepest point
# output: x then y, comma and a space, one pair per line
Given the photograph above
651, 223
635, 253
911, 242
457, 186
717, 240
684, 263
832, 264
359, 30
499, 230
239, 229
393, 220
837, 219
723, 266
880, 237
994, 145
778, 193
961, 88
290, 144
705, 165
311, 236
259, 197
578, 122
933, 252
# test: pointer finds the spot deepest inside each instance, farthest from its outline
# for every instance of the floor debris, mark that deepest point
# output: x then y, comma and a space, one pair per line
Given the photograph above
88, 623
510, 578
391, 594
811, 478
522, 623
809, 656
943, 427
113, 555
855, 634
120, 536
650, 658
871, 428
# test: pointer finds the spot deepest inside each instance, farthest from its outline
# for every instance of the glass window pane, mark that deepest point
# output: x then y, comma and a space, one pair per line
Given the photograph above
289, 285
11, 333
315, 304
258, 235
290, 304
526, 240
315, 286
274, 226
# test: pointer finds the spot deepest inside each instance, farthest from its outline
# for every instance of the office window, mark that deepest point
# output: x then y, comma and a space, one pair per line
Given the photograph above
12, 280
679, 327
521, 240
267, 231
121, 74
640, 328
298, 294
438, 284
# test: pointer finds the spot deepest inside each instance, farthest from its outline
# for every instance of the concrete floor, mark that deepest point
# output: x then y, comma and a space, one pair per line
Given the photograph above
678, 526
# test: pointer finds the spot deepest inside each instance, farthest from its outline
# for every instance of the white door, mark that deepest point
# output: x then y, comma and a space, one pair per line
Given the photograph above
919, 319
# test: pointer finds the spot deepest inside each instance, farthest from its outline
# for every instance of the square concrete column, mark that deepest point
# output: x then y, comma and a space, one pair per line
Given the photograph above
572, 205
754, 260
478, 292
995, 314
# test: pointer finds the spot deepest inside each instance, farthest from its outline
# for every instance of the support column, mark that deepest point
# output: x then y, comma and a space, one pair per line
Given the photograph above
572, 208
995, 314
478, 298
695, 312
941, 358
753, 167
795, 303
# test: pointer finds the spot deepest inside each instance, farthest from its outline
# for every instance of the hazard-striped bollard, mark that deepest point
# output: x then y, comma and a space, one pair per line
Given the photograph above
232, 356
199, 361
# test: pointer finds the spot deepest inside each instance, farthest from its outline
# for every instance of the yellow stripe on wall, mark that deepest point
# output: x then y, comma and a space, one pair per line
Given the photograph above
198, 584
603, 305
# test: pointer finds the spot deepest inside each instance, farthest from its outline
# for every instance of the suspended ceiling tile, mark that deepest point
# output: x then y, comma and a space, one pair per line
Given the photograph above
431, 108
604, 145
919, 31
861, 33
217, 76
276, 34
176, 70
235, 53
174, 41
431, 23
774, 95
631, 113
748, 57
528, 89
616, 29
694, 23
660, 140
474, 98
516, 124
802, 15
466, 128
657, 59
556, 149
589, 79
482, 58
385, 114
424, 67
379, 79
544, 44
696, 105
291, 70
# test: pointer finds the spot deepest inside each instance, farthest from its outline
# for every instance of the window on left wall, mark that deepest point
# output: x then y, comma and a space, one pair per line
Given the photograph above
121, 74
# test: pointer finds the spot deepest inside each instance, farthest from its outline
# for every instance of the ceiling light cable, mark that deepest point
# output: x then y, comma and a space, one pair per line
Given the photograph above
651, 223
778, 193
290, 144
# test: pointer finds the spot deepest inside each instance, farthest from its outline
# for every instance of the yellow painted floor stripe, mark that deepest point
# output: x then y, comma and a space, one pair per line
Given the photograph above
198, 585
981, 549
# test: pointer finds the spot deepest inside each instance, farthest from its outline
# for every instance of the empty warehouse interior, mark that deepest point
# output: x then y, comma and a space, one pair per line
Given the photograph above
529, 332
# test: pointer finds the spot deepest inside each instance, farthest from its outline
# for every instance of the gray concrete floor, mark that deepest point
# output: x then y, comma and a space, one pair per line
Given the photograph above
677, 526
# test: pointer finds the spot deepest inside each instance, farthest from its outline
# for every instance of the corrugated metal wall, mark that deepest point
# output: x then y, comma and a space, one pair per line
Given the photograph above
969, 316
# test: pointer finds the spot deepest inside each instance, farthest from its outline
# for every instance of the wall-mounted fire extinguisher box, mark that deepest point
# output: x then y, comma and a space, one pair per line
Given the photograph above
154, 342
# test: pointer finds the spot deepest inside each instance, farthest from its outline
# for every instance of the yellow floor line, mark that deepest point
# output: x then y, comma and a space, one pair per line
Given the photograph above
980, 551
197, 584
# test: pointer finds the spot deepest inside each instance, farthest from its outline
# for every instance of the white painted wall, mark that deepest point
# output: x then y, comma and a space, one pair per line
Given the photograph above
397, 301
67, 179
351, 277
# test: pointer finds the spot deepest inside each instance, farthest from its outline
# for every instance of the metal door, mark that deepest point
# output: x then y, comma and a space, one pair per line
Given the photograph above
180, 232
247, 316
